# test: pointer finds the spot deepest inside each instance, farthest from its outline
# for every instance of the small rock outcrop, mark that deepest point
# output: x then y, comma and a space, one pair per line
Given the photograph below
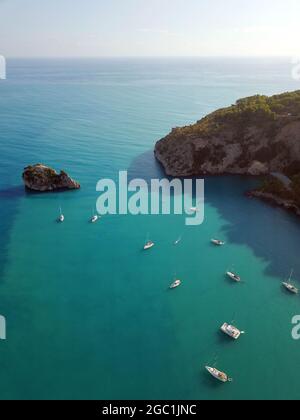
42, 178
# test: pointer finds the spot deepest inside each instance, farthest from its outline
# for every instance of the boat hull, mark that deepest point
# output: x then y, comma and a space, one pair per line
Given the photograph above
233, 277
290, 288
231, 331
217, 243
176, 284
147, 247
215, 373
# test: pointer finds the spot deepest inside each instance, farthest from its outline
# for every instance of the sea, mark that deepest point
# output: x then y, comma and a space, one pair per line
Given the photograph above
88, 314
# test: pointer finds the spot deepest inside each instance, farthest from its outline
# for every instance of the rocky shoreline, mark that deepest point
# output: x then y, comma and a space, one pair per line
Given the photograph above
275, 201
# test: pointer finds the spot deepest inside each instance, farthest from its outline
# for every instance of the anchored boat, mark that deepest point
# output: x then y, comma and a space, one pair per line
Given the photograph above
178, 241
61, 218
290, 287
94, 218
176, 284
148, 245
217, 242
231, 331
217, 374
233, 276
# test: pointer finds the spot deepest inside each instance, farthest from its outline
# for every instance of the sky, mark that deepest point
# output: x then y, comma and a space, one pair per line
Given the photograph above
97, 28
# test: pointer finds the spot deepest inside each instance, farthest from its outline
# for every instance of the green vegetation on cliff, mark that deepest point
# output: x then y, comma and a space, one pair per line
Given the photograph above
275, 187
257, 135
259, 110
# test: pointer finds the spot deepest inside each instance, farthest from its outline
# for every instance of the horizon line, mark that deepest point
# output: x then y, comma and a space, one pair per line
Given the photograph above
146, 57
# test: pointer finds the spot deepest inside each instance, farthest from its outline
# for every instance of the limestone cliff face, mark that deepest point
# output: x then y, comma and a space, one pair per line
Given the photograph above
256, 136
42, 178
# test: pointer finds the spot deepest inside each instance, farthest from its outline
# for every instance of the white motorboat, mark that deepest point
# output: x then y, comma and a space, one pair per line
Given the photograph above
217, 242
231, 331
290, 287
175, 284
233, 276
217, 374
194, 209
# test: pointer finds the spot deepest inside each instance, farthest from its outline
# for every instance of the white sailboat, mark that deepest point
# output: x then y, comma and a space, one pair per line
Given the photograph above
61, 217
217, 374
289, 286
94, 217
148, 244
178, 241
233, 276
176, 283
217, 242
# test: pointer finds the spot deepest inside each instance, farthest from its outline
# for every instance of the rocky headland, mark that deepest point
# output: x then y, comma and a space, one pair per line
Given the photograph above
257, 136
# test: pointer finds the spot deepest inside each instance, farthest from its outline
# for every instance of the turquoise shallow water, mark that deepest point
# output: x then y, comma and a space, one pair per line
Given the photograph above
88, 314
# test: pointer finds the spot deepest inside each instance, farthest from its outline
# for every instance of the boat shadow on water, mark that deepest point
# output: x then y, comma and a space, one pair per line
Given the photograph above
224, 340
273, 234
